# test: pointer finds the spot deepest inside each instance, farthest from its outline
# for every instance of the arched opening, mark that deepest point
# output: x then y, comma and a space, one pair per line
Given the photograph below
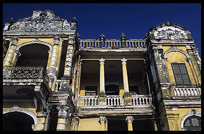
192, 123
33, 55
17, 121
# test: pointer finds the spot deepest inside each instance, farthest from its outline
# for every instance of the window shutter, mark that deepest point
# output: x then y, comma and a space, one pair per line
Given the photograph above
181, 74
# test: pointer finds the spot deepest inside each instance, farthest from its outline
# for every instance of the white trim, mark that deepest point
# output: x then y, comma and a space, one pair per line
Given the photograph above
175, 49
35, 41
191, 112
22, 110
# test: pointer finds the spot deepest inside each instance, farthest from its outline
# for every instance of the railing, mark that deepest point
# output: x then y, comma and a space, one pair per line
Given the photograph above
23, 72
89, 43
187, 92
141, 100
114, 100
88, 100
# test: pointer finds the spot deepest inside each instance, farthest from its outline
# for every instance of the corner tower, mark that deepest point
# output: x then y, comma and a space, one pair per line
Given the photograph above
176, 72
38, 55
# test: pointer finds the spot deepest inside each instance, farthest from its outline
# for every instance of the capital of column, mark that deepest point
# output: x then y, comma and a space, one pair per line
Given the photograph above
102, 119
56, 40
63, 111
13, 41
102, 61
129, 119
76, 120
124, 61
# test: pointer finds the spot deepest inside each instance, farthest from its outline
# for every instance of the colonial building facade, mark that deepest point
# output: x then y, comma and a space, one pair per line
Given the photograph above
55, 81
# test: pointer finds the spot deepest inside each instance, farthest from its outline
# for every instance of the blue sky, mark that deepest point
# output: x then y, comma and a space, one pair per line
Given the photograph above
112, 19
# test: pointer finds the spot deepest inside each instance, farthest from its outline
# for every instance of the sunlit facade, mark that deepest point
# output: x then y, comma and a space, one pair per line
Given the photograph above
55, 81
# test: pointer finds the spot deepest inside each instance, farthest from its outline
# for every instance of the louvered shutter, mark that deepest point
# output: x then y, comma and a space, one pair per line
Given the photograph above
180, 74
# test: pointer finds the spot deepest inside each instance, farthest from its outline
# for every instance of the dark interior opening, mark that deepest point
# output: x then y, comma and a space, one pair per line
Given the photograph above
90, 90
112, 89
53, 119
117, 125
33, 55
16, 121
143, 125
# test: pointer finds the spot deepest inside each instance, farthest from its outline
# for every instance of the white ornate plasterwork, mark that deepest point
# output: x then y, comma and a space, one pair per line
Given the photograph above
35, 41
169, 33
190, 113
22, 110
175, 49
40, 21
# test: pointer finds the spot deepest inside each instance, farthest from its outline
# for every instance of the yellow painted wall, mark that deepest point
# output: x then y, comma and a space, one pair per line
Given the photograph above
177, 57
89, 124
182, 112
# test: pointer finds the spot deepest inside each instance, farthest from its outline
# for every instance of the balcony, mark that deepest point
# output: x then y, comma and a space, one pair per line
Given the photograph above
23, 74
24, 84
187, 92
139, 104
115, 101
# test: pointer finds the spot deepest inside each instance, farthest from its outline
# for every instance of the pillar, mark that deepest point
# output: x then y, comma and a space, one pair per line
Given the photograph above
77, 92
40, 126
53, 67
102, 121
127, 99
68, 63
102, 76
69, 56
129, 120
8, 61
125, 75
62, 118
76, 123
102, 83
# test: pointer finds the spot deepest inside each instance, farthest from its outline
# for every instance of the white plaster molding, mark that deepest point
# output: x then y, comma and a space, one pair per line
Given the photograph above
191, 112
22, 110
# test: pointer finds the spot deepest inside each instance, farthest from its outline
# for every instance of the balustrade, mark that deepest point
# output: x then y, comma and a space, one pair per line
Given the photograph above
186, 92
89, 43
23, 72
141, 100
114, 100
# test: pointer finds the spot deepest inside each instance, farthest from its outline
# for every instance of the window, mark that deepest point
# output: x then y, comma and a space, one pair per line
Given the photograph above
192, 123
90, 90
180, 74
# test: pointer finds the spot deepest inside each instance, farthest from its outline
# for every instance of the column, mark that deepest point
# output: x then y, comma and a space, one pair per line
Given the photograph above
78, 82
76, 123
102, 76
125, 75
69, 55
40, 126
68, 63
62, 117
102, 99
129, 120
102, 121
53, 67
8, 61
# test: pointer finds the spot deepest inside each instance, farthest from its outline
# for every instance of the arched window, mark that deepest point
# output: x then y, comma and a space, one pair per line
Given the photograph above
192, 123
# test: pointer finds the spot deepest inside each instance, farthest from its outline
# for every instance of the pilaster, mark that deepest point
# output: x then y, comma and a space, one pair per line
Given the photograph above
103, 121
40, 126
62, 117
129, 120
